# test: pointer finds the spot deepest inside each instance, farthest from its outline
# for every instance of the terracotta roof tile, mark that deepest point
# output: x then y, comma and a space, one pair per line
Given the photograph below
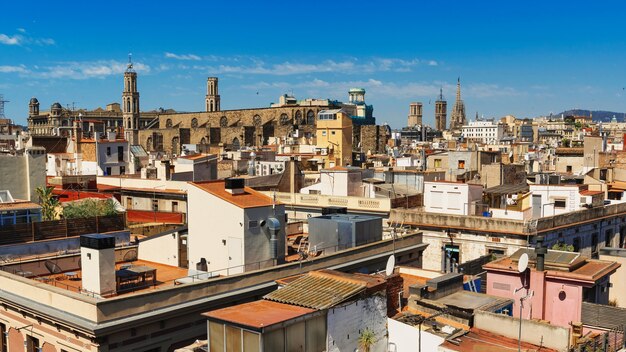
248, 199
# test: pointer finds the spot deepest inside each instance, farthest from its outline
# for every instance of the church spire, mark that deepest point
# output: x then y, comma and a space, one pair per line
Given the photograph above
458, 120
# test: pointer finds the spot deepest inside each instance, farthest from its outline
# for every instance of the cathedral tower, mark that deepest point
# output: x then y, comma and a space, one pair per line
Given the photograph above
33, 107
457, 118
130, 104
441, 112
212, 99
415, 114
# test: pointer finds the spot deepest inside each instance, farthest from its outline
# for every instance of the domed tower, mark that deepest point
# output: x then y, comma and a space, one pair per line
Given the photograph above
212, 99
130, 104
33, 107
55, 110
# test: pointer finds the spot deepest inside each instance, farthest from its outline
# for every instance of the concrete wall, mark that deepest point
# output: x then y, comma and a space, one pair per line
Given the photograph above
618, 279
451, 198
22, 174
160, 249
345, 322
534, 332
551, 193
405, 338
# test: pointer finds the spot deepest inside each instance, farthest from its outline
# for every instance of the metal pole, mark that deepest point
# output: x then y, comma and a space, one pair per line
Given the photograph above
519, 338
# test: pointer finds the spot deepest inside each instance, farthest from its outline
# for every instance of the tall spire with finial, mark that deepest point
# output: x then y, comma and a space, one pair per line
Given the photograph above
457, 119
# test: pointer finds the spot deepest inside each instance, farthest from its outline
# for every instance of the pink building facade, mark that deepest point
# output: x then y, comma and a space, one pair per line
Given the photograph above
556, 293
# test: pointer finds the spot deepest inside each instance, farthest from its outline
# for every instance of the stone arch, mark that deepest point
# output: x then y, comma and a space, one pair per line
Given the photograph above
236, 144
175, 145
168, 123
299, 120
223, 121
194, 123
284, 119
256, 120
310, 117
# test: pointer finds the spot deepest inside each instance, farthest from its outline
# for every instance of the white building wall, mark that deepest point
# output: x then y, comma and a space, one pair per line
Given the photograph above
405, 338
215, 226
553, 193
160, 249
345, 321
450, 198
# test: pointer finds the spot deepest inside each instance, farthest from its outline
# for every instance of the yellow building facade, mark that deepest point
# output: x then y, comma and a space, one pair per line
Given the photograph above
334, 137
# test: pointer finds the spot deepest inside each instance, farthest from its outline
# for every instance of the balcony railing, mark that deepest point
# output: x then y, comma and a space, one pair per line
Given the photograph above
317, 200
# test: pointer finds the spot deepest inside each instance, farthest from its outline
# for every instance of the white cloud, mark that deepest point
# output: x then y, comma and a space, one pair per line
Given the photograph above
86, 70
8, 40
348, 66
13, 69
19, 39
187, 57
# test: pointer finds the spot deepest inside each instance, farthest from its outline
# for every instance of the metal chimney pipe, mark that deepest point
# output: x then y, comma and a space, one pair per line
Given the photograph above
541, 251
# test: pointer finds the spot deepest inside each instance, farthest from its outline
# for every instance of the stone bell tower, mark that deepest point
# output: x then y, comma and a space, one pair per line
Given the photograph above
212, 99
130, 105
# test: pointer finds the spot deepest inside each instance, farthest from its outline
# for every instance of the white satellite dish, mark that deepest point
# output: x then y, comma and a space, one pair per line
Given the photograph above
391, 263
522, 264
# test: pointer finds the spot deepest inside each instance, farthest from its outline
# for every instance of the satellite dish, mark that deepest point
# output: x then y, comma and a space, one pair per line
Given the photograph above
522, 264
391, 263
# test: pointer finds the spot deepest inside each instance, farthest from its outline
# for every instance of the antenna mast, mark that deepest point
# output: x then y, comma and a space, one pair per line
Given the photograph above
2, 101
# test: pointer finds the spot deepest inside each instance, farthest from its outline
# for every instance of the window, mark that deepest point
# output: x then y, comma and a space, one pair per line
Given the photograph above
223, 121
437, 163
168, 123
310, 118
461, 164
32, 344
108, 151
576, 244
608, 238
284, 119
175, 207
129, 203
568, 169
194, 123
299, 120
495, 252
559, 203
120, 153
155, 205
122, 170
3, 338
323, 133
256, 120
594, 245
332, 132
107, 171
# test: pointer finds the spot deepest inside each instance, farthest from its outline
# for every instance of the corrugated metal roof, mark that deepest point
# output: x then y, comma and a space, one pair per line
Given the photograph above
317, 290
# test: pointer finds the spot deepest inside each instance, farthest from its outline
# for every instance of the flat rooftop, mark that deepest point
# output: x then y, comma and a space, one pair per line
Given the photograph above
166, 276
259, 314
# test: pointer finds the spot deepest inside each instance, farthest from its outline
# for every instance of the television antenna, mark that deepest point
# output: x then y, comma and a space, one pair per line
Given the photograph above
2, 101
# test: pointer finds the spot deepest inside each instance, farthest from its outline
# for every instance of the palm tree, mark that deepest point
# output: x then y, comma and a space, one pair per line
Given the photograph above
48, 203
366, 340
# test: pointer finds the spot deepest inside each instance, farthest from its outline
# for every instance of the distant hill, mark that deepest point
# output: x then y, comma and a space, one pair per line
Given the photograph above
598, 115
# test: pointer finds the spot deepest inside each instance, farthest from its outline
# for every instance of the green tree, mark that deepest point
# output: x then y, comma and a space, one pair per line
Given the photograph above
366, 340
562, 246
565, 142
89, 208
48, 203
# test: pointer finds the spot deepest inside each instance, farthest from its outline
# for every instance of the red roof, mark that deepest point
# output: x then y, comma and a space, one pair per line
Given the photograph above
248, 199
259, 314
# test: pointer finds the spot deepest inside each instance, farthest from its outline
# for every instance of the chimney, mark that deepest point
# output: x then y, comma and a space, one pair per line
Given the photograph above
274, 228
97, 259
541, 251
234, 185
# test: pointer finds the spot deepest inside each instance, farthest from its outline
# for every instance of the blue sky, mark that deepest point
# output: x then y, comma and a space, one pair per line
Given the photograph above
524, 58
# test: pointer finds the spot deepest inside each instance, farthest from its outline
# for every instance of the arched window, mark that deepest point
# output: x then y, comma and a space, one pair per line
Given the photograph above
175, 145
256, 120
168, 123
203, 140
310, 118
236, 144
284, 119
194, 123
223, 122
299, 118
149, 145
